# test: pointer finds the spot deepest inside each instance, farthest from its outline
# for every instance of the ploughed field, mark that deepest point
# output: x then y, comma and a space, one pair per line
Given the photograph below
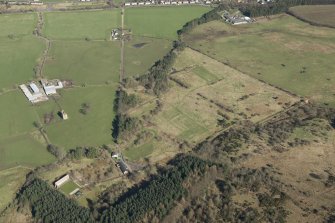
282, 51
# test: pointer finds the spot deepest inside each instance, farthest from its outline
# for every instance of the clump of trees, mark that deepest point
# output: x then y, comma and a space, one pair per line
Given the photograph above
228, 142
83, 152
156, 196
125, 101
85, 108
125, 126
56, 151
49, 205
156, 79
48, 117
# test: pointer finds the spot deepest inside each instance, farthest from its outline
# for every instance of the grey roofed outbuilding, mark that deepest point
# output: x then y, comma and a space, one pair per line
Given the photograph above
123, 167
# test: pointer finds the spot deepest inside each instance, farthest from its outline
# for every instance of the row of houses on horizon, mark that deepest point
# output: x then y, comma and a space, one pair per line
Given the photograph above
162, 2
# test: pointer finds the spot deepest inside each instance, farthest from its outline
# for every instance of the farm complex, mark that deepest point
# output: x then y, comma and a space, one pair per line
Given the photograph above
167, 111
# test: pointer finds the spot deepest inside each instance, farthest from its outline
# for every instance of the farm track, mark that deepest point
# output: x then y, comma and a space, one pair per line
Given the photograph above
17, 167
122, 47
38, 33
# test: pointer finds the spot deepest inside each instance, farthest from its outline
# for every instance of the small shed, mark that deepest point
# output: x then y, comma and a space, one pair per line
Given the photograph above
64, 115
123, 167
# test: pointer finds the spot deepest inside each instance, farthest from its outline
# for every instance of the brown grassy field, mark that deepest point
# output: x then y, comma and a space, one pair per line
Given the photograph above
214, 90
303, 170
315, 14
204, 91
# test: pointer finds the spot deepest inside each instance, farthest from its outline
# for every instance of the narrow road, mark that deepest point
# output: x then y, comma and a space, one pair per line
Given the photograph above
39, 28
122, 46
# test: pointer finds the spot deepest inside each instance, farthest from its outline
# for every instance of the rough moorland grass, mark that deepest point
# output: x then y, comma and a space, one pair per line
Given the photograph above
68, 187
23, 150
213, 88
10, 181
141, 53
16, 114
284, 52
81, 25
161, 22
139, 152
84, 62
92, 129
17, 24
316, 14
18, 57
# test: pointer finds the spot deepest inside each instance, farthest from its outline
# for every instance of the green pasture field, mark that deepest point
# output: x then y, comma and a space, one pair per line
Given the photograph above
10, 181
80, 25
92, 129
23, 150
283, 51
18, 57
16, 114
316, 14
68, 187
142, 52
84, 62
138, 152
17, 24
161, 22
205, 74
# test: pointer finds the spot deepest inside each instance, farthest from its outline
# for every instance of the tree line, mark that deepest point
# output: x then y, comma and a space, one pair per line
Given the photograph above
156, 196
156, 79
206, 17
123, 125
76, 153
